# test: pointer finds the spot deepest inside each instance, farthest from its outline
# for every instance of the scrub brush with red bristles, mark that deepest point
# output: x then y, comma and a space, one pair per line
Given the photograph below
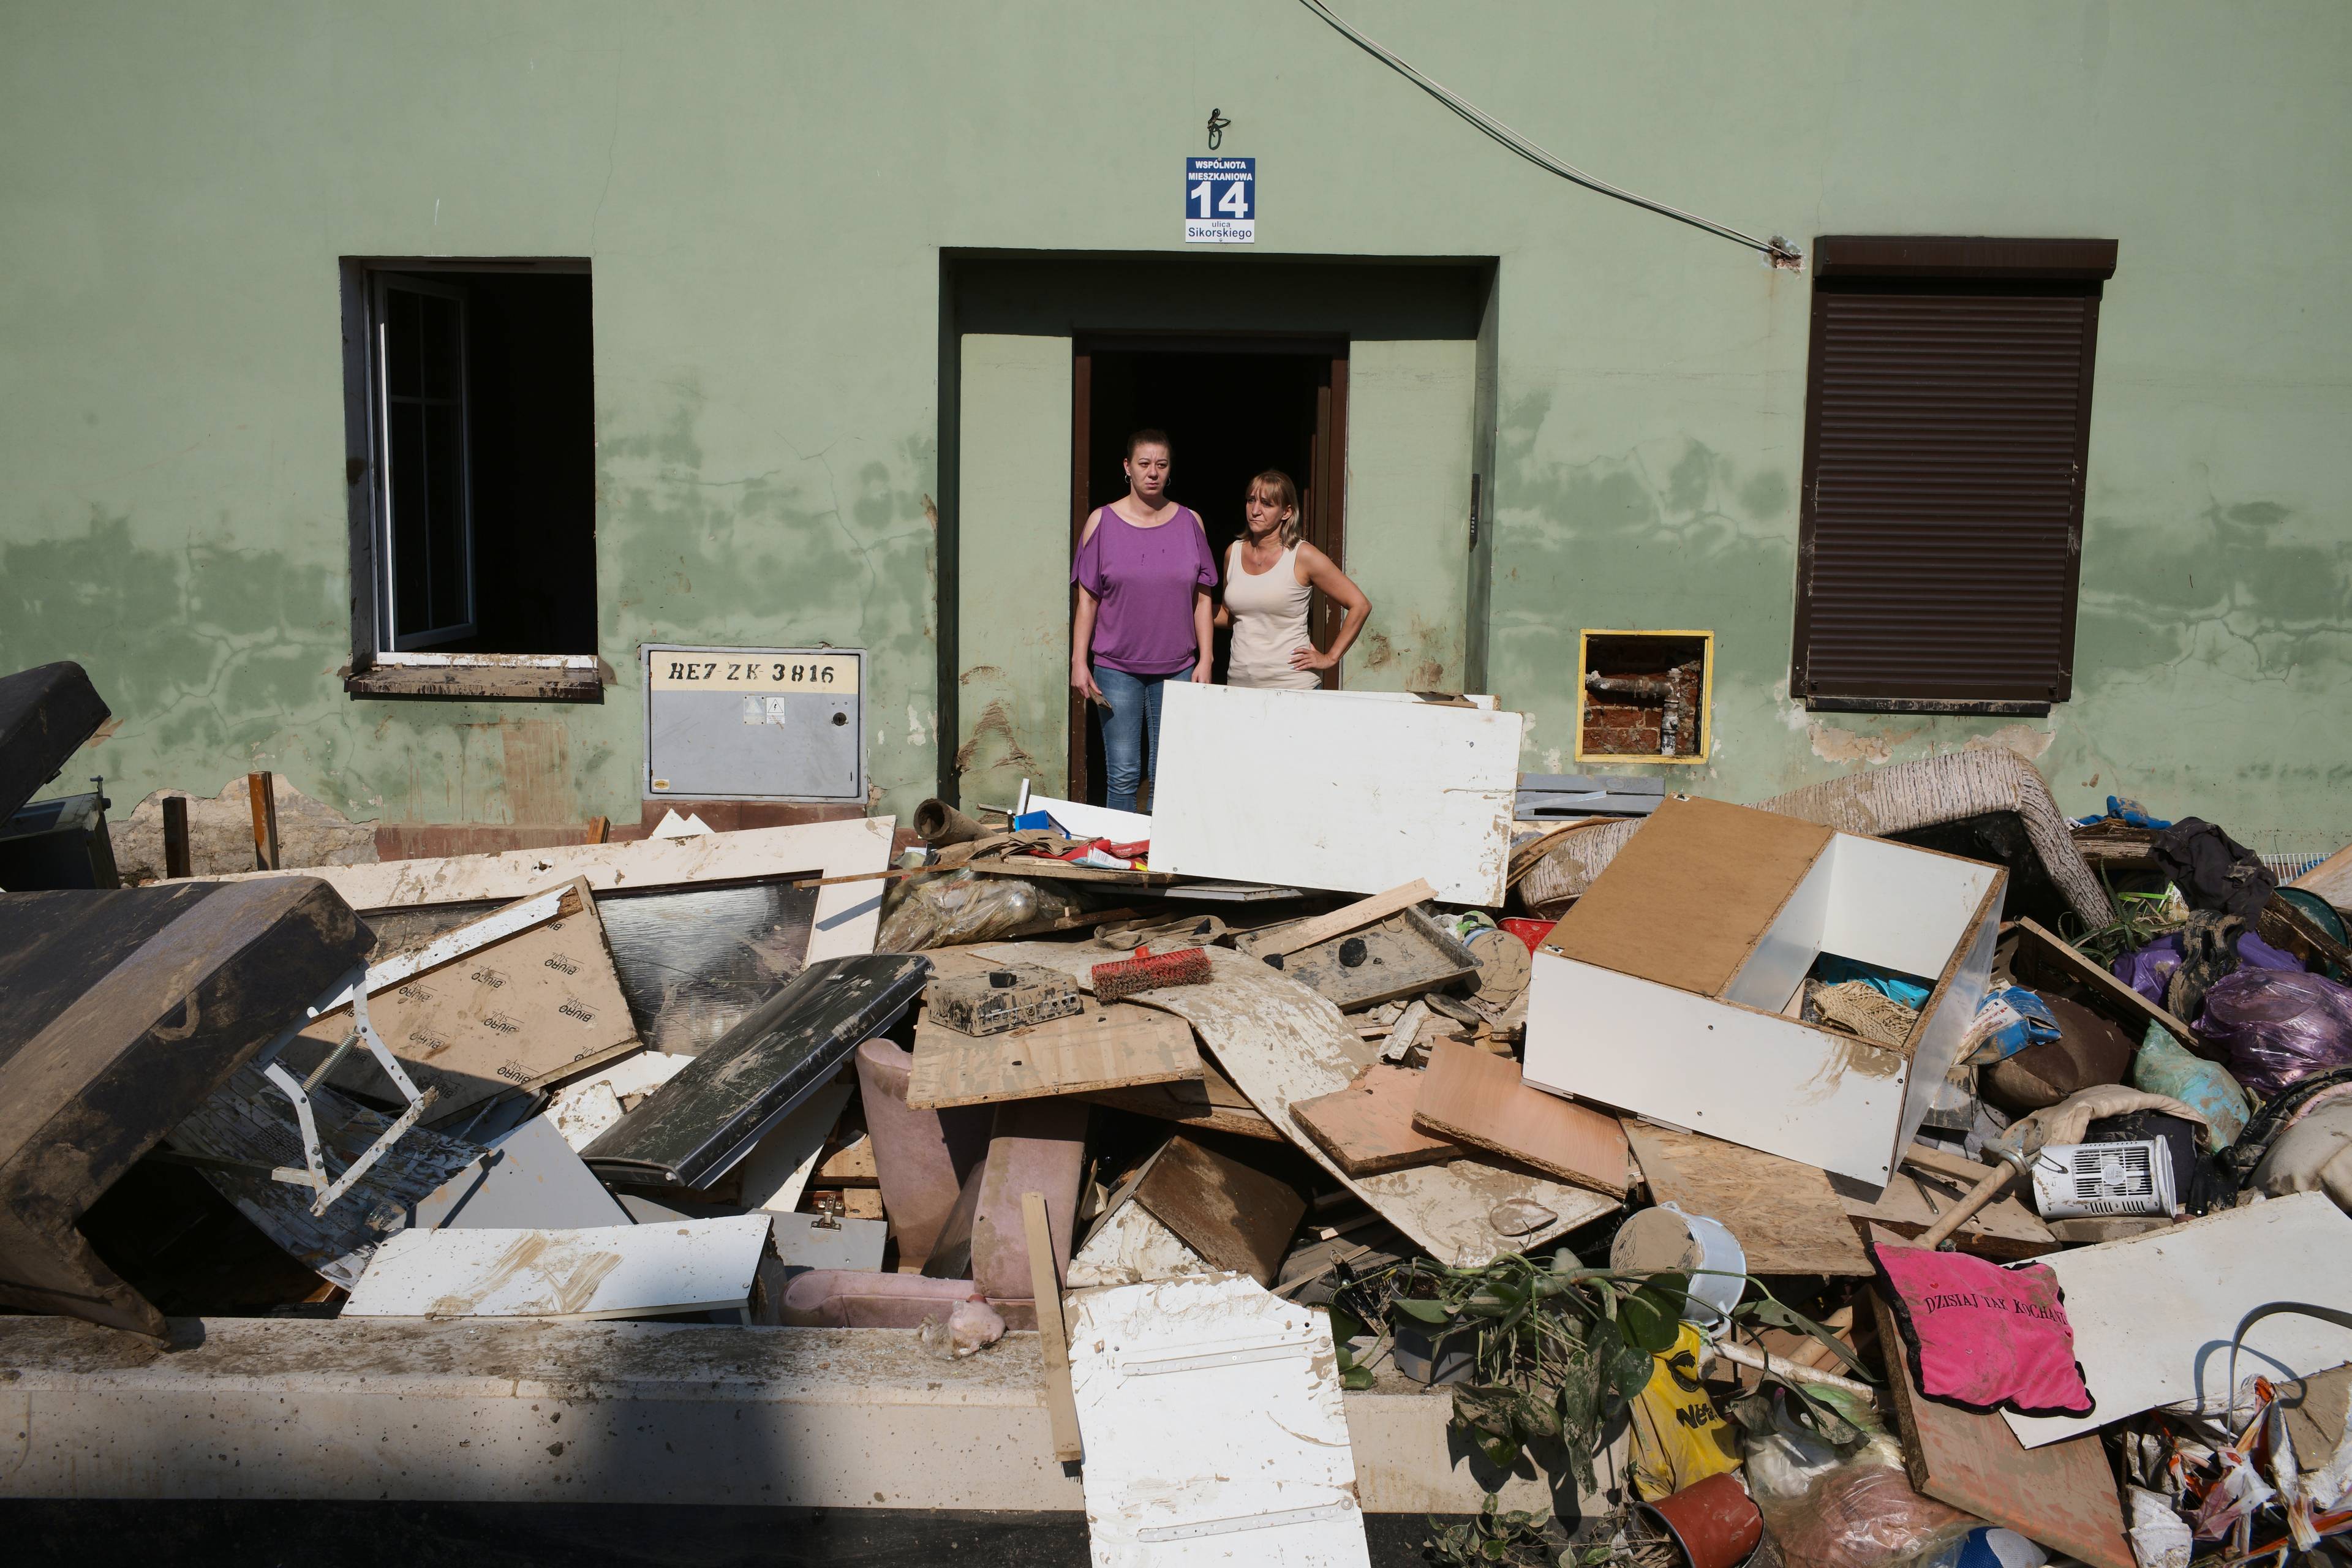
1148, 971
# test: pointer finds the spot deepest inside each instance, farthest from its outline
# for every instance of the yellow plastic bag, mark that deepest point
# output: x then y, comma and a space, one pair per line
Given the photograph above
1680, 1438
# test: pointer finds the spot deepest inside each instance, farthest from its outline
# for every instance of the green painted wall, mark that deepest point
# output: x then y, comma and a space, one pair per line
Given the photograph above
765, 191
1013, 631
1408, 520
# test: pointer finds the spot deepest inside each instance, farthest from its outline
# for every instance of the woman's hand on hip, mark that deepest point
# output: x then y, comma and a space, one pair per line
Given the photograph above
1311, 657
1082, 681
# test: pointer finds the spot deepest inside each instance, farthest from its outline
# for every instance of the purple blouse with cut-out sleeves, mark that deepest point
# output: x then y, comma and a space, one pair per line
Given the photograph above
1144, 579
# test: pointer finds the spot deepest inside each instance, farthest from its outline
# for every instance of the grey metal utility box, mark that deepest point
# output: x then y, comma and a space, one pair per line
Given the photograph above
754, 724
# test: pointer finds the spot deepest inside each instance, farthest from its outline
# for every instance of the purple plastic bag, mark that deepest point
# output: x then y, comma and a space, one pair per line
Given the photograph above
2150, 970
2278, 1025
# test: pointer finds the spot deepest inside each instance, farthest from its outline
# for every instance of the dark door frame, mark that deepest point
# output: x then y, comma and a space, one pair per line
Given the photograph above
1325, 485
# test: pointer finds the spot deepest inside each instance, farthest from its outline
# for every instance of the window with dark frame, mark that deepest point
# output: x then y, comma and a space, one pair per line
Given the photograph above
1947, 431
472, 423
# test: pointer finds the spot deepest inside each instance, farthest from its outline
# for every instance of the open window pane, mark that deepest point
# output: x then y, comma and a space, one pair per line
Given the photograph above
481, 416
411, 568
445, 480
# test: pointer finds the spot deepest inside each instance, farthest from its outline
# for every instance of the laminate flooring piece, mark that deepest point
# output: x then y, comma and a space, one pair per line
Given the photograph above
1368, 1126
1788, 1217
1102, 1046
1478, 1100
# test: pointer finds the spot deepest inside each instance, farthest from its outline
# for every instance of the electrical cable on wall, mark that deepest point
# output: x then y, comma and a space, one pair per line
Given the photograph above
1780, 251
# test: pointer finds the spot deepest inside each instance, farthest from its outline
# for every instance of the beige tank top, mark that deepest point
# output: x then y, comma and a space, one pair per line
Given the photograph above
1269, 611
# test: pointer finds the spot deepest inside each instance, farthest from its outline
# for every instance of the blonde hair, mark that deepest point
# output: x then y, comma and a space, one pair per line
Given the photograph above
1285, 494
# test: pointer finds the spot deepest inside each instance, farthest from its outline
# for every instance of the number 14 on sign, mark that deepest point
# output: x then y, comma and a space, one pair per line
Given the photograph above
1221, 201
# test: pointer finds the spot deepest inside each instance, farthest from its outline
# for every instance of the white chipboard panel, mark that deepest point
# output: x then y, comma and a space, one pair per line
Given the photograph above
1213, 1428
1323, 790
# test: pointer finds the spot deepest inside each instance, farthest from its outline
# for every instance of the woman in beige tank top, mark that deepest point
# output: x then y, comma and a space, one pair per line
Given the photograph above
1271, 575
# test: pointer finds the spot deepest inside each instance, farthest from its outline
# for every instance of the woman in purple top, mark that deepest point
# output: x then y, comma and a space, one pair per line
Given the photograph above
1143, 573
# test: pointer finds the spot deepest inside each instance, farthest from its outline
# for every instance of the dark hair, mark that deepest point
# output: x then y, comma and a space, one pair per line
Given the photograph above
1147, 436
1285, 494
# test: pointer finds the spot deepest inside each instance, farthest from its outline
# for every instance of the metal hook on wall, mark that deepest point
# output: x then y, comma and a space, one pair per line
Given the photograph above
1217, 123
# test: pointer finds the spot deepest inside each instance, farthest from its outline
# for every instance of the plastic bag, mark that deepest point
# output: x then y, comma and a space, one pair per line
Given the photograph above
2163, 1066
2278, 1025
1680, 1438
962, 906
1861, 1514
2314, 1155
1988, 1546
2008, 1019
2148, 970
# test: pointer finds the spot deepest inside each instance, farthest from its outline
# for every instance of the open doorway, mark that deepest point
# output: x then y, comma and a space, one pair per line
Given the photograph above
1232, 408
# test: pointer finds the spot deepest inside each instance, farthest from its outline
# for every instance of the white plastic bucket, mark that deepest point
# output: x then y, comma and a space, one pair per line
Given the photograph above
1668, 1238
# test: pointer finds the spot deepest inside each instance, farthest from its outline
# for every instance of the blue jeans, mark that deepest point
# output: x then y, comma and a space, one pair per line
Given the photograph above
1131, 730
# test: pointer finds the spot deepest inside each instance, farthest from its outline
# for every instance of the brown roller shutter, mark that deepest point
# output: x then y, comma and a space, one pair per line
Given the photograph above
1947, 427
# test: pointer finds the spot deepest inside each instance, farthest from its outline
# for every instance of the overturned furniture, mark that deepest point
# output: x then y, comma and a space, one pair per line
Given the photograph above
1670, 988
120, 1013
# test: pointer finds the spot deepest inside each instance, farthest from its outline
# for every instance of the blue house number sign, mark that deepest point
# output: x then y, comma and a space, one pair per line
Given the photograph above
1220, 201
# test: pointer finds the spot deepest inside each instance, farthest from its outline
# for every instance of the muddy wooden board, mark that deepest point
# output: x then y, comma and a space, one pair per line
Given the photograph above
2063, 1496
1209, 1104
1222, 1205
474, 1018
1368, 1126
1099, 1047
1786, 1214
1478, 1100
1281, 1043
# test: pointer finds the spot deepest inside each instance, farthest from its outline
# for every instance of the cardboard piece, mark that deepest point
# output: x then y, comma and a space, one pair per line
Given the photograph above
1098, 1047
2062, 1497
1661, 991
605, 1271
1787, 1218
524, 995
1334, 789
1478, 1100
1367, 1127
1230, 1212
2153, 1315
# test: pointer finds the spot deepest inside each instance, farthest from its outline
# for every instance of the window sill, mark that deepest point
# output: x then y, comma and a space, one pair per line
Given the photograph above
2003, 710
480, 677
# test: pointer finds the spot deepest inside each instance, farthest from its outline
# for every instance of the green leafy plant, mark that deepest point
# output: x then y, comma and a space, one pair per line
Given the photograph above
1559, 1350
1515, 1539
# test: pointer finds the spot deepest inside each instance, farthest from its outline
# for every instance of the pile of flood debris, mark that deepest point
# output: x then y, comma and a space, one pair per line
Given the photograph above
1891, 1172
